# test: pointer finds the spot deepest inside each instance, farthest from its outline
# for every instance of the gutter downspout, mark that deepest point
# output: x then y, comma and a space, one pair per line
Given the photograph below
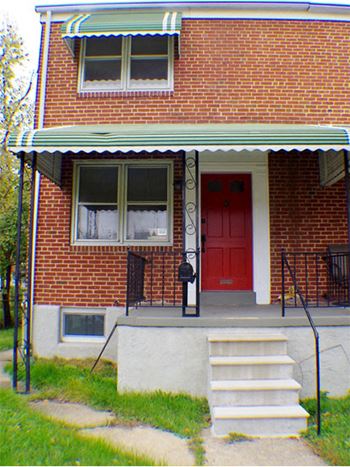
36, 186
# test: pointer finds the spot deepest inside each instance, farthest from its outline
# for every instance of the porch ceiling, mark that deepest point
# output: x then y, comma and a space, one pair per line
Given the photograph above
50, 142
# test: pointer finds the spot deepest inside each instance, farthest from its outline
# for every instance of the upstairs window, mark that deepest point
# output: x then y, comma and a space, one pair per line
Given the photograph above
127, 63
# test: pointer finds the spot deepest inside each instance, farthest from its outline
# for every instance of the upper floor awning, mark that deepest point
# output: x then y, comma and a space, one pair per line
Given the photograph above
51, 143
122, 23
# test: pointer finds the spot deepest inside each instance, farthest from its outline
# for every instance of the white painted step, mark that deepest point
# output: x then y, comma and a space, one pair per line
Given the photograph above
251, 367
253, 344
259, 421
254, 392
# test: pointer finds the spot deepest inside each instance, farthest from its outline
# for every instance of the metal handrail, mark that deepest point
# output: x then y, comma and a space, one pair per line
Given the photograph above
285, 262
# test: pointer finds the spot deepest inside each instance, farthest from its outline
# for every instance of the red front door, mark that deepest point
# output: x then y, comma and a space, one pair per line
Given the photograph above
226, 232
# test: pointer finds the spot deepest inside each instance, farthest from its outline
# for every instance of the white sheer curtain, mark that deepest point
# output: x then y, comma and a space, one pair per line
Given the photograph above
144, 224
98, 224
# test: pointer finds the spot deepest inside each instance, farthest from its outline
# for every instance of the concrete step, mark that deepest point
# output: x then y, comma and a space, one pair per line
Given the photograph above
251, 367
254, 392
259, 421
253, 344
239, 297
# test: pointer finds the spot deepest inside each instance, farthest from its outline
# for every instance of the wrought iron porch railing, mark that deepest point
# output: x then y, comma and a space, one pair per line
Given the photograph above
299, 294
153, 280
322, 278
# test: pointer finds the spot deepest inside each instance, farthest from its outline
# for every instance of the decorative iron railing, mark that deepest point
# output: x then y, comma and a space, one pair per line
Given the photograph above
322, 278
291, 275
160, 279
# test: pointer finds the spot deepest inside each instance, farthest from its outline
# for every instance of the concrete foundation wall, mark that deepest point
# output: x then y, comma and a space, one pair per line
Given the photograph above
176, 359
48, 341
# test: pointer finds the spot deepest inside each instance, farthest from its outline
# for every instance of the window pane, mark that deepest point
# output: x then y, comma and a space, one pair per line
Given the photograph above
237, 186
83, 325
149, 69
98, 222
214, 186
151, 45
103, 46
104, 71
98, 184
147, 184
147, 223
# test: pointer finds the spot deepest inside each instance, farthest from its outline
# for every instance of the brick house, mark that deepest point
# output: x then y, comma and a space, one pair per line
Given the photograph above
211, 134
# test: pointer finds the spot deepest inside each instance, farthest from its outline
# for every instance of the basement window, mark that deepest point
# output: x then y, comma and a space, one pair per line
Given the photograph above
82, 325
127, 63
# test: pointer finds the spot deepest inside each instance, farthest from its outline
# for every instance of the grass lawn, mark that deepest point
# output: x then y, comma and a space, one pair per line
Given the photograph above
30, 439
334, 443
60, 379
6, 339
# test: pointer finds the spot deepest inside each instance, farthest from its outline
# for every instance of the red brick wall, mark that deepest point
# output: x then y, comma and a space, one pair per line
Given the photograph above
83, 275
228, 71
304, 216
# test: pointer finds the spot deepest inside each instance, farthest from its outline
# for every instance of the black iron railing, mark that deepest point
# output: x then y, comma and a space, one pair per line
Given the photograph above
153, 280
323, 279
286, 266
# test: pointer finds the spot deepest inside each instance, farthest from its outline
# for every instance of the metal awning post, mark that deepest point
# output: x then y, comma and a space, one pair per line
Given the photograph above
198, 235
18, 271
29, 299
184, 256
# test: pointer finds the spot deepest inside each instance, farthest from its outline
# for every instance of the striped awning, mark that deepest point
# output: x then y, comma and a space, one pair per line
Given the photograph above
122, 23
50, 143
177, 137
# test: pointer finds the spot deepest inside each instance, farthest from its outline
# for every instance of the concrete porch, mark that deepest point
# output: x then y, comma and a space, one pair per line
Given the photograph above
160, 349
235, 316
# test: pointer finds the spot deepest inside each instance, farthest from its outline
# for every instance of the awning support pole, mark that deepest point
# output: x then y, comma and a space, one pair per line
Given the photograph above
29, 299
198, 235
18, 272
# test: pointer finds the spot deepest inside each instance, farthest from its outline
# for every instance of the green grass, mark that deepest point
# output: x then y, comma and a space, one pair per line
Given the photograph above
6, 339
28, 438
334, 443
71, 381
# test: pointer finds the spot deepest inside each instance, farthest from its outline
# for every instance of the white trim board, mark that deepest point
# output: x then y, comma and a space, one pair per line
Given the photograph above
256, 164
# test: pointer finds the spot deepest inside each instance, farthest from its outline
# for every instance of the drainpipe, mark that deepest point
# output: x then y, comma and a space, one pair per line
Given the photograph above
36, 178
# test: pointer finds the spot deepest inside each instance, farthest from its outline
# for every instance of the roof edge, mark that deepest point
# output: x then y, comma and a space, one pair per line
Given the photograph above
287, 5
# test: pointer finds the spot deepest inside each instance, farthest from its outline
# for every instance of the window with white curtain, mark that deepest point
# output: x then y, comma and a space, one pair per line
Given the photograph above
122, 203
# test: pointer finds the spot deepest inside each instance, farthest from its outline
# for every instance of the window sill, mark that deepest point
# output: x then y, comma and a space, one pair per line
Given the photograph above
130, 93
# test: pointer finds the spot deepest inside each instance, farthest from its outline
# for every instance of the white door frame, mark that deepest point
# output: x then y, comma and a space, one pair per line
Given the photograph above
256, 164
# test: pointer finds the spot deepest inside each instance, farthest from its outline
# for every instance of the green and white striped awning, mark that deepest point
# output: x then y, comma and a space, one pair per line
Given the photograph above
177, 137
122, 23
50, 142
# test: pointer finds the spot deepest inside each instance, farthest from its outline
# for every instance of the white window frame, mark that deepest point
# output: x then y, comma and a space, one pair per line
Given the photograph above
122, 201
82, 312
125, 84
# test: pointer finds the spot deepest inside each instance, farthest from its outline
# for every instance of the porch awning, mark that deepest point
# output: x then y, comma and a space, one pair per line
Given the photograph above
49, 142
122, 23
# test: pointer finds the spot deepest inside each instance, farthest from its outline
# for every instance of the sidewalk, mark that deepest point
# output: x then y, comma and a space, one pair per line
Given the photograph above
165, 447
173, 450
5, 357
